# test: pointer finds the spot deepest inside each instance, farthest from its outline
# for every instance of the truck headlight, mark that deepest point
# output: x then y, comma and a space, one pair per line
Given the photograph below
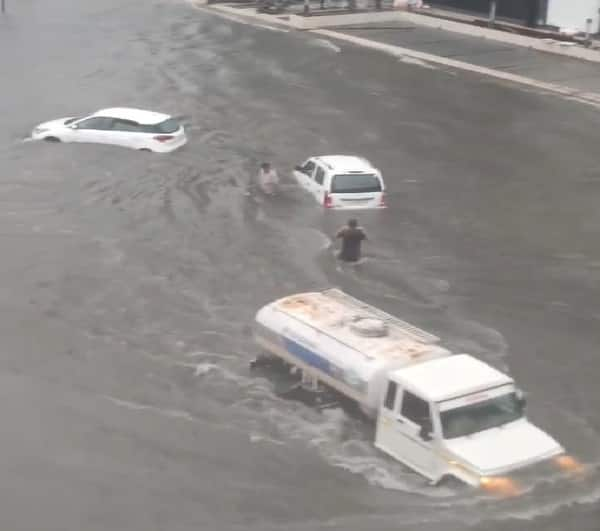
501, 485
568, 464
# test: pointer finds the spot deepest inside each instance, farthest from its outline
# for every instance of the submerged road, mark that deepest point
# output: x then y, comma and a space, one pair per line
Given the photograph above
128, 280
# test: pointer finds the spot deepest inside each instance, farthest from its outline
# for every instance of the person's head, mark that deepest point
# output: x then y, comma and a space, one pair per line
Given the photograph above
352, 223
265, 166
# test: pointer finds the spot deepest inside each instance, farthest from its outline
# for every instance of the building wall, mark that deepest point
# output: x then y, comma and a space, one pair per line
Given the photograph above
572, 14
518, 10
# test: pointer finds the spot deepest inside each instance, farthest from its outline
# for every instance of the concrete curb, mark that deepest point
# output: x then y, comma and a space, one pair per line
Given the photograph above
330, 21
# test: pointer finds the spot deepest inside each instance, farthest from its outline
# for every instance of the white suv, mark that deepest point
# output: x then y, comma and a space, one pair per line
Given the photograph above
342, 182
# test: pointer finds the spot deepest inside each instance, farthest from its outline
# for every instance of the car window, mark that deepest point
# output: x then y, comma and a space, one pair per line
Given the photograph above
416, 410
355, 183
390, 395
96, 122
320, 175
163, 128
125, 125
168, 126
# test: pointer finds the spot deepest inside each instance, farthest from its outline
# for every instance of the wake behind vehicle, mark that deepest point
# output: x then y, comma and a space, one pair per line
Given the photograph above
444, 415
342, 182
121, 126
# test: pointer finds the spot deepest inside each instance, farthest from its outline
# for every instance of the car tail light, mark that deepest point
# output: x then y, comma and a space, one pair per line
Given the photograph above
163, 138
382, 202
327, 202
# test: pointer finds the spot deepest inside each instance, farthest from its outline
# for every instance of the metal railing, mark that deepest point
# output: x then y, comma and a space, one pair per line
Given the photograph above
407, 328
313, 8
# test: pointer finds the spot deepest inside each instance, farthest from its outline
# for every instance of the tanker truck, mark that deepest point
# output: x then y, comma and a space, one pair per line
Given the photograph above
443, 415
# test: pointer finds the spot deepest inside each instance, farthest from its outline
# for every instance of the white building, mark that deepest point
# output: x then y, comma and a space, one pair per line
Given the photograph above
573, 14
567, 15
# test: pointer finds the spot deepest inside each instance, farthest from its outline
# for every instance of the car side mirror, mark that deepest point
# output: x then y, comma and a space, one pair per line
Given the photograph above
425, 434
521, 399
73, 126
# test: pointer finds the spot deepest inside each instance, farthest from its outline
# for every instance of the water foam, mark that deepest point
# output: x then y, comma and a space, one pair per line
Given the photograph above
136, 406
327, 44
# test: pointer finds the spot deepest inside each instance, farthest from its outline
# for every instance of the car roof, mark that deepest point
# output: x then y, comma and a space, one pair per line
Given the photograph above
136, 115
446, 378
346, 163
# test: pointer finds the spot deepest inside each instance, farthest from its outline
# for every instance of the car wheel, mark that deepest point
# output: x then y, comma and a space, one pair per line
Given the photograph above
146, 149
51, 139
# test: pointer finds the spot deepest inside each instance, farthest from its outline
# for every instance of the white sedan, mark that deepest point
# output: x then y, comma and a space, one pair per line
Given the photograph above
132, 128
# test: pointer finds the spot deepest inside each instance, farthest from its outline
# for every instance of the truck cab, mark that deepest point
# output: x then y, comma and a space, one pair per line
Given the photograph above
459, 417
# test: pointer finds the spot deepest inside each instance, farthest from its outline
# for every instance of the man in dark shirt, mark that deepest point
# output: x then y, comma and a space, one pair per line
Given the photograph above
352, 236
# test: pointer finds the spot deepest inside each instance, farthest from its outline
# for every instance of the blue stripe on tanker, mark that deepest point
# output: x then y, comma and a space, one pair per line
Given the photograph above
307, 356
312, 359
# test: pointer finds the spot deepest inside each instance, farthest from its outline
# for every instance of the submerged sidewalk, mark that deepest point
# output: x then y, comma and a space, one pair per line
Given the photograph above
336, 14
577, 74
395, 33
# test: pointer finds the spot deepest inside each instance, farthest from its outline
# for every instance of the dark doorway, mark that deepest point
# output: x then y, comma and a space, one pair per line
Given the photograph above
521, 11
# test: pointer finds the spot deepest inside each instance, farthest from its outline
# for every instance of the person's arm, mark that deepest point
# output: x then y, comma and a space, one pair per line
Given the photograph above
340, 232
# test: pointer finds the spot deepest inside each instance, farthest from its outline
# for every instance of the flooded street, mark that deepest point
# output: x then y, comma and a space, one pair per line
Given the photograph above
129, 280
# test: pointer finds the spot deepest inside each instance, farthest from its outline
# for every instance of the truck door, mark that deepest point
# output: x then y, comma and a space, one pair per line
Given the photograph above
405, 431
414, 425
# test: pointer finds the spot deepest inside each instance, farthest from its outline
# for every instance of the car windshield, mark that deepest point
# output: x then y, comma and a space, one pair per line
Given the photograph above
473, 418
354, 183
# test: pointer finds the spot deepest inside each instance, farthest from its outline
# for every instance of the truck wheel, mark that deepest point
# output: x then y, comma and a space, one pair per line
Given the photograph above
451, 482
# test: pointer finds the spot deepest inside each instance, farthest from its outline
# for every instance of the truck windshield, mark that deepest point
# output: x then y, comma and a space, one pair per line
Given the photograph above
473, 418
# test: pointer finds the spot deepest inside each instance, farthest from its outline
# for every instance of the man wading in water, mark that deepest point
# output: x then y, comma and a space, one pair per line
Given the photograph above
352, 236
268, 179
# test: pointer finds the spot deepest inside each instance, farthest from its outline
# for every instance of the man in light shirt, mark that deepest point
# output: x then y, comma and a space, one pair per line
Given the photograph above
268, 179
